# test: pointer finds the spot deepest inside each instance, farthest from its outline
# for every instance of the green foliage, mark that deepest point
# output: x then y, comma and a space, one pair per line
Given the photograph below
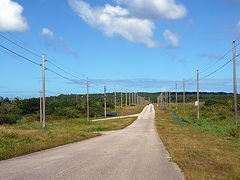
29, 106
8, 119
210, 102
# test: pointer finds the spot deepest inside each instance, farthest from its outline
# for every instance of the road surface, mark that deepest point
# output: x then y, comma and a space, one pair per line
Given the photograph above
118, 117
135, 152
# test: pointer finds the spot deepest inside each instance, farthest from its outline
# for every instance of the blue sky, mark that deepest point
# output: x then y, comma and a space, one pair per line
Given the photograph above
143, 45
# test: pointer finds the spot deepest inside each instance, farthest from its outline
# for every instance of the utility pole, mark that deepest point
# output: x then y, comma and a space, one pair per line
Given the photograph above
176, 96
87, 102
40, 106
197, 94
43, 76
137, 99
235, 83
132, 98
121, 102
129, 97
105, 101
115, 101
169, 97
126, 97
183, 95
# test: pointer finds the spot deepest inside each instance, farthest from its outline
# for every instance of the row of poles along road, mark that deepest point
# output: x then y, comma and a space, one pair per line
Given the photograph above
136, 99
165, 97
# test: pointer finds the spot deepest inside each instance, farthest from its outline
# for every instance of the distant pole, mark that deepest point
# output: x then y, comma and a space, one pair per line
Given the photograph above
126, 97
129, 97
105, 101
169, 97
43, 74
176, 96
132, 98
40, 106
183, 95
197, 94
235, 83
137, 99
87, 102
115, 101
121, 101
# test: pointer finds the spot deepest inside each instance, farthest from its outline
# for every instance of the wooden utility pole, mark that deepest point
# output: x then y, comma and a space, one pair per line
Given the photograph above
87, 102
235, 83
105, 101
40, 106
115, 98
121, 102
183, 95
43, 76
132, 98
176, 96
137, 99
129, 97
169, 97
197, 94
126, 97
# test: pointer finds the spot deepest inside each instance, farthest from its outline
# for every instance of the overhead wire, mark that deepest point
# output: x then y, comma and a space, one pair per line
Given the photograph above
13, 52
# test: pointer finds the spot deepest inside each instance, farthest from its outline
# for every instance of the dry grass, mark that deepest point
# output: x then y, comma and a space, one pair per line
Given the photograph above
28, 137
199, 154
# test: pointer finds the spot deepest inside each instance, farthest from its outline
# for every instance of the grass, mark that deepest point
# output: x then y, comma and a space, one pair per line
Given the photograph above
216, 119
200, 152
27, 137
129, 110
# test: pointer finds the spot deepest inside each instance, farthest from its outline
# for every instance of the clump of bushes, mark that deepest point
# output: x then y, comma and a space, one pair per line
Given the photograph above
8, 119
210, 102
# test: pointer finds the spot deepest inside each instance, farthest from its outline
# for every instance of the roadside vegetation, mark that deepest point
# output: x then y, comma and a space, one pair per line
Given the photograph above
28, 137
22, 133
207, 148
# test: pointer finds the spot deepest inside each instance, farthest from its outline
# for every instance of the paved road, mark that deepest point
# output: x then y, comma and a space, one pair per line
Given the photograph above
118, 117
135, 152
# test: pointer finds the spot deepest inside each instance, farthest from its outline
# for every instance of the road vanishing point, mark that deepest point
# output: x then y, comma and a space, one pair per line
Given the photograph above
135, 152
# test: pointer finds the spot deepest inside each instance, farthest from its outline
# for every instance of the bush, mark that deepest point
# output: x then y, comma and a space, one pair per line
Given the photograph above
8, 119
210, 102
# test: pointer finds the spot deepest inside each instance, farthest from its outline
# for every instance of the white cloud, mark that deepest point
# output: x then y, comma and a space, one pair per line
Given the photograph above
11, 18
155, 9
47, 32
238, 24
57, 43
115, 21
172, 38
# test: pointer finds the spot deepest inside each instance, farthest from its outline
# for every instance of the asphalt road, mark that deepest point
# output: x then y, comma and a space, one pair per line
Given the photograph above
135, 152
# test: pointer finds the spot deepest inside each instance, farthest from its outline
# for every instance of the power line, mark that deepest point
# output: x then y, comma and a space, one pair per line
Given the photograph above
219, 59
20, 46
38, 56
19, 55
216, 70
64, 70
62, 76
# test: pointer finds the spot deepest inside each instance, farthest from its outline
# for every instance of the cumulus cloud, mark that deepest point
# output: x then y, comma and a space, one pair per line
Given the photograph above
172, 38
11, 18
238, 25
155, 9
210, 56
115, 21
47, 32
57, 43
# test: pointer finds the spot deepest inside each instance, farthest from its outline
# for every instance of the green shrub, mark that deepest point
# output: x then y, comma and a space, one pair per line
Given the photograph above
8, 119
210, 102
